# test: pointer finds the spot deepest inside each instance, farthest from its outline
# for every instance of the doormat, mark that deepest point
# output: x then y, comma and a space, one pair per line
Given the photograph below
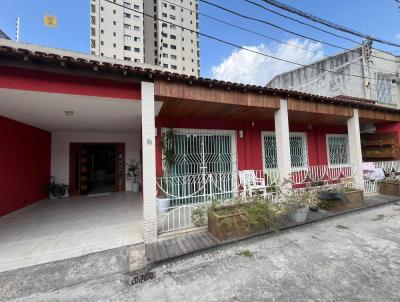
98, 194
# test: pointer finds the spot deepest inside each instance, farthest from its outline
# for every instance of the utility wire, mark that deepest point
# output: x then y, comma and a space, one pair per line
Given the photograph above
236, 45
301, 22
286, 30
270, 38
327, 22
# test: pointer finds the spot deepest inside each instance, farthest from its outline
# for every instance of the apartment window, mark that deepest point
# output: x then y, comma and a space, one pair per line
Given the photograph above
137, 7
135, 17
127, 37
164, 35
101, 43
165, 65
338, 149
114, 23
115, 45
172, 7
138, 61
136, 28
164, 4
114, 56
126, 15
127, 26
114, 11
165, 55
173, 37
172, 17
127, 4
172, 26
114, 34
102, 54
136, 49
164, 15
165, 45
93, 8
173, 57
93, 43
127, 58
93, 31
102, 31
173, 46
164, 25
102, 8
93, 20
136, 39
92, 52
173, 67
127, 48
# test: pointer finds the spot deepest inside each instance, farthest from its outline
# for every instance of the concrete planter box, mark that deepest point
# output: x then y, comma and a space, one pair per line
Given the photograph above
389, 188
349, 200
225, 222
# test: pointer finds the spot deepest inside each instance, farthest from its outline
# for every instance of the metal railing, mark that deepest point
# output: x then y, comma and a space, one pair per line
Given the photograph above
389, 168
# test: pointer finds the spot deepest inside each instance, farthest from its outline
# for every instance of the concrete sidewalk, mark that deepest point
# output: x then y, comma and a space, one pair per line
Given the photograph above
355, 257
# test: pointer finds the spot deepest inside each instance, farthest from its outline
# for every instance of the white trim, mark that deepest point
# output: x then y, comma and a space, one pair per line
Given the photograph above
291, 134
327, 136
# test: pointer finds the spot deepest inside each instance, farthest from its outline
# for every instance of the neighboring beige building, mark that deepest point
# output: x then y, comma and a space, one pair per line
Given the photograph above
117, 31
362, 72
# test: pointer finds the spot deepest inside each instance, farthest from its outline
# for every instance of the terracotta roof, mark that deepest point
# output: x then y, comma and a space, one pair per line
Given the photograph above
353, 98
154, 74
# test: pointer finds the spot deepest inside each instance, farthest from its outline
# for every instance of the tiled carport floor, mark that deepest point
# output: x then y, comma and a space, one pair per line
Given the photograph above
52, 230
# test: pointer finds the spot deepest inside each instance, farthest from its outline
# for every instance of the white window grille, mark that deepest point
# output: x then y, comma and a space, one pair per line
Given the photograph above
298, 150
337, 146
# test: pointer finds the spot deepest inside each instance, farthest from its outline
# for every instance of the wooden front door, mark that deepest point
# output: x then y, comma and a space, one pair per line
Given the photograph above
79, 167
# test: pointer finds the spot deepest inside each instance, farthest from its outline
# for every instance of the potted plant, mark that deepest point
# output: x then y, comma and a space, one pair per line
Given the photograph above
298, 201
133, 174
54, 190
341, 197
238, 218
389, 186
168, 156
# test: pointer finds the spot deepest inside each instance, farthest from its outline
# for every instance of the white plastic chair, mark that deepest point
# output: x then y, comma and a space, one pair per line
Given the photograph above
250, 183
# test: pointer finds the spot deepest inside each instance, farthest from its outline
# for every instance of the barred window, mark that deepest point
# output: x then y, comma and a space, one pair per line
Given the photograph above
298, 150
338, 149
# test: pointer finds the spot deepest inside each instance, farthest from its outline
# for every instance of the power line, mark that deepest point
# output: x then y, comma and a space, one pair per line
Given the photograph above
327, 22
268, 37
301, 22
286, 30
236, 45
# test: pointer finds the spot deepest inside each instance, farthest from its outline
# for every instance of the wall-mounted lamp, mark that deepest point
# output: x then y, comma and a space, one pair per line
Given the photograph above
241, 133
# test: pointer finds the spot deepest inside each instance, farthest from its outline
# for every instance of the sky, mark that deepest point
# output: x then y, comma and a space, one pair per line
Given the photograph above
380, 18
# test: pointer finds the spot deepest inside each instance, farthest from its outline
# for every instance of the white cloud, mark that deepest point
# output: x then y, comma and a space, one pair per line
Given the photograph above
250, 68
397, 37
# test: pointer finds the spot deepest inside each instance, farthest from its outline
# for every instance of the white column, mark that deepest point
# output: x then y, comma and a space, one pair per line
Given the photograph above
353, 129
149, 163
282, 140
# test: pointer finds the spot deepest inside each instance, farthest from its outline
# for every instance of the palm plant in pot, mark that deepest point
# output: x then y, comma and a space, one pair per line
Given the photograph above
168, 156
133, 174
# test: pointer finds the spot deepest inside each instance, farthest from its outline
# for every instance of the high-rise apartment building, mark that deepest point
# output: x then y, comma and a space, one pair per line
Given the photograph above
156, 32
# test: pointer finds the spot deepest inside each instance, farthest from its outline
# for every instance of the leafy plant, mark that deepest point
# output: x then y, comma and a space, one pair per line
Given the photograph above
57, 190
327, 204
299, 198
133, 170
167, 148
255, 214
198, 217
245, 253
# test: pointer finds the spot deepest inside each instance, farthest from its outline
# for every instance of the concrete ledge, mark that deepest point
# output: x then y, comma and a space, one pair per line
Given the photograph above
61, 274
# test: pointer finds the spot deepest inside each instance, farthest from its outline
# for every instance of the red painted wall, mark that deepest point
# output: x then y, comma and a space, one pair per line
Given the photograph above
27, 79
389, 127
249, 148
24, 164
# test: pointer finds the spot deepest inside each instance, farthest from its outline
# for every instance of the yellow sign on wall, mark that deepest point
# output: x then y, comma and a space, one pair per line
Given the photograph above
50, 21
